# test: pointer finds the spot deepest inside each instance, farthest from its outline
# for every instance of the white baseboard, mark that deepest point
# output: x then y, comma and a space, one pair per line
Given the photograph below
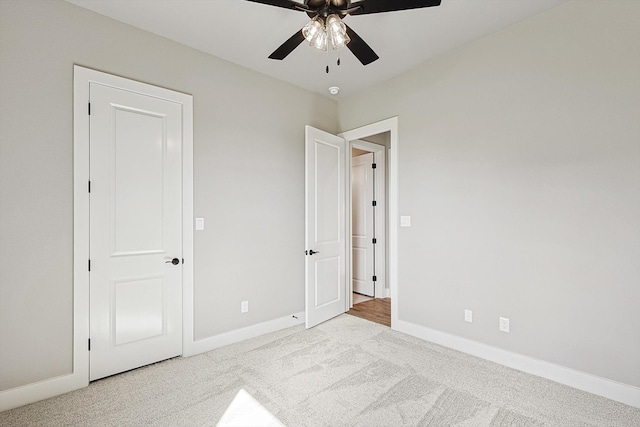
623, 393
231, 337
386, 293
613, 390
45, 389
30, 393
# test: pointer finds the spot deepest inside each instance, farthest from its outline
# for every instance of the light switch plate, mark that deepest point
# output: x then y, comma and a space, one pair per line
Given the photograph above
405, 221
199, 223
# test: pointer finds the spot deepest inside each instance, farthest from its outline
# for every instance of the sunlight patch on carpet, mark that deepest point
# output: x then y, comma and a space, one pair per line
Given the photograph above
245, 411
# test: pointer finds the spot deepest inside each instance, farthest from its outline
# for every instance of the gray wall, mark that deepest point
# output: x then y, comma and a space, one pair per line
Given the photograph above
520, 166
249, 178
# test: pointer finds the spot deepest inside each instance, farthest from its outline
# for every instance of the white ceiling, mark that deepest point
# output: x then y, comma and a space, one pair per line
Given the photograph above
246, 33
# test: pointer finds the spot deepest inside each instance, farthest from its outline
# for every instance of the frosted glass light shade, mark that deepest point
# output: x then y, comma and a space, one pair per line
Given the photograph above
337, 32
319, 41
334, 23
312, 29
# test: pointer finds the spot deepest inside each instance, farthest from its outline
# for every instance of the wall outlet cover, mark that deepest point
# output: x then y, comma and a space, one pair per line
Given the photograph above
504, 324
468, 316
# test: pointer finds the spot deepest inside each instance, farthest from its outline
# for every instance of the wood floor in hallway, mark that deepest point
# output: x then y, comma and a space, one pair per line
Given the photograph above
376, 310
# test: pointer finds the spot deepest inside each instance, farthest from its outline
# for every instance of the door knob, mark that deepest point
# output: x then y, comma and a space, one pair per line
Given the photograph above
311, 252
174, 261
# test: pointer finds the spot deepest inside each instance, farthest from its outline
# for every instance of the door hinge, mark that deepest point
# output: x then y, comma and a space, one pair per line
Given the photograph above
89, 344
89, 265
375, 278
374, 203
373, 166
89, 108
89, 186
374, 240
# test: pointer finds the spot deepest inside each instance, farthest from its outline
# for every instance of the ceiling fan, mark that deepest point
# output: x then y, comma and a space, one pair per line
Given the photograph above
327, 29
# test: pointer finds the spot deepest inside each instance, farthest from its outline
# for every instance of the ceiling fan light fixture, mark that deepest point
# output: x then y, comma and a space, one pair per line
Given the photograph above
312, 29
334, 23
339, 40
337, 32
319, 41
318, 32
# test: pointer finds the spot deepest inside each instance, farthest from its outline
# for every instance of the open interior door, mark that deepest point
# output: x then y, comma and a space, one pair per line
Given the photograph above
325, 221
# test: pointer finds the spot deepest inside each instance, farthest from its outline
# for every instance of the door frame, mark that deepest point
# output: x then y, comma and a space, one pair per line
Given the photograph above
388, 125
81, 227
380, 158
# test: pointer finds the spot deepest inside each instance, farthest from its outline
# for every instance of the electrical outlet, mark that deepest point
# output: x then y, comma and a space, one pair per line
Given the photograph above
244, 306
468, 316
504, 324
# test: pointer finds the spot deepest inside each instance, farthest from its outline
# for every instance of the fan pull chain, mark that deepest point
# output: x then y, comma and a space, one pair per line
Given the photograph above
338, 54
327, 69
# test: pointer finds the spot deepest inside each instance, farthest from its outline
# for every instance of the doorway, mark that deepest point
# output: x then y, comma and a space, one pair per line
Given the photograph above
380, 138
368, 228
328, 282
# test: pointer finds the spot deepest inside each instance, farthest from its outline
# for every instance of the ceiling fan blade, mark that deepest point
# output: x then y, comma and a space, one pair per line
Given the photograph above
360, 48
287, 4
287, 47
379, 6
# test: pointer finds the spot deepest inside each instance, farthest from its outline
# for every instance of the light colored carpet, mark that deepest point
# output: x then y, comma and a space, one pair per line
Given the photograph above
345, 372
